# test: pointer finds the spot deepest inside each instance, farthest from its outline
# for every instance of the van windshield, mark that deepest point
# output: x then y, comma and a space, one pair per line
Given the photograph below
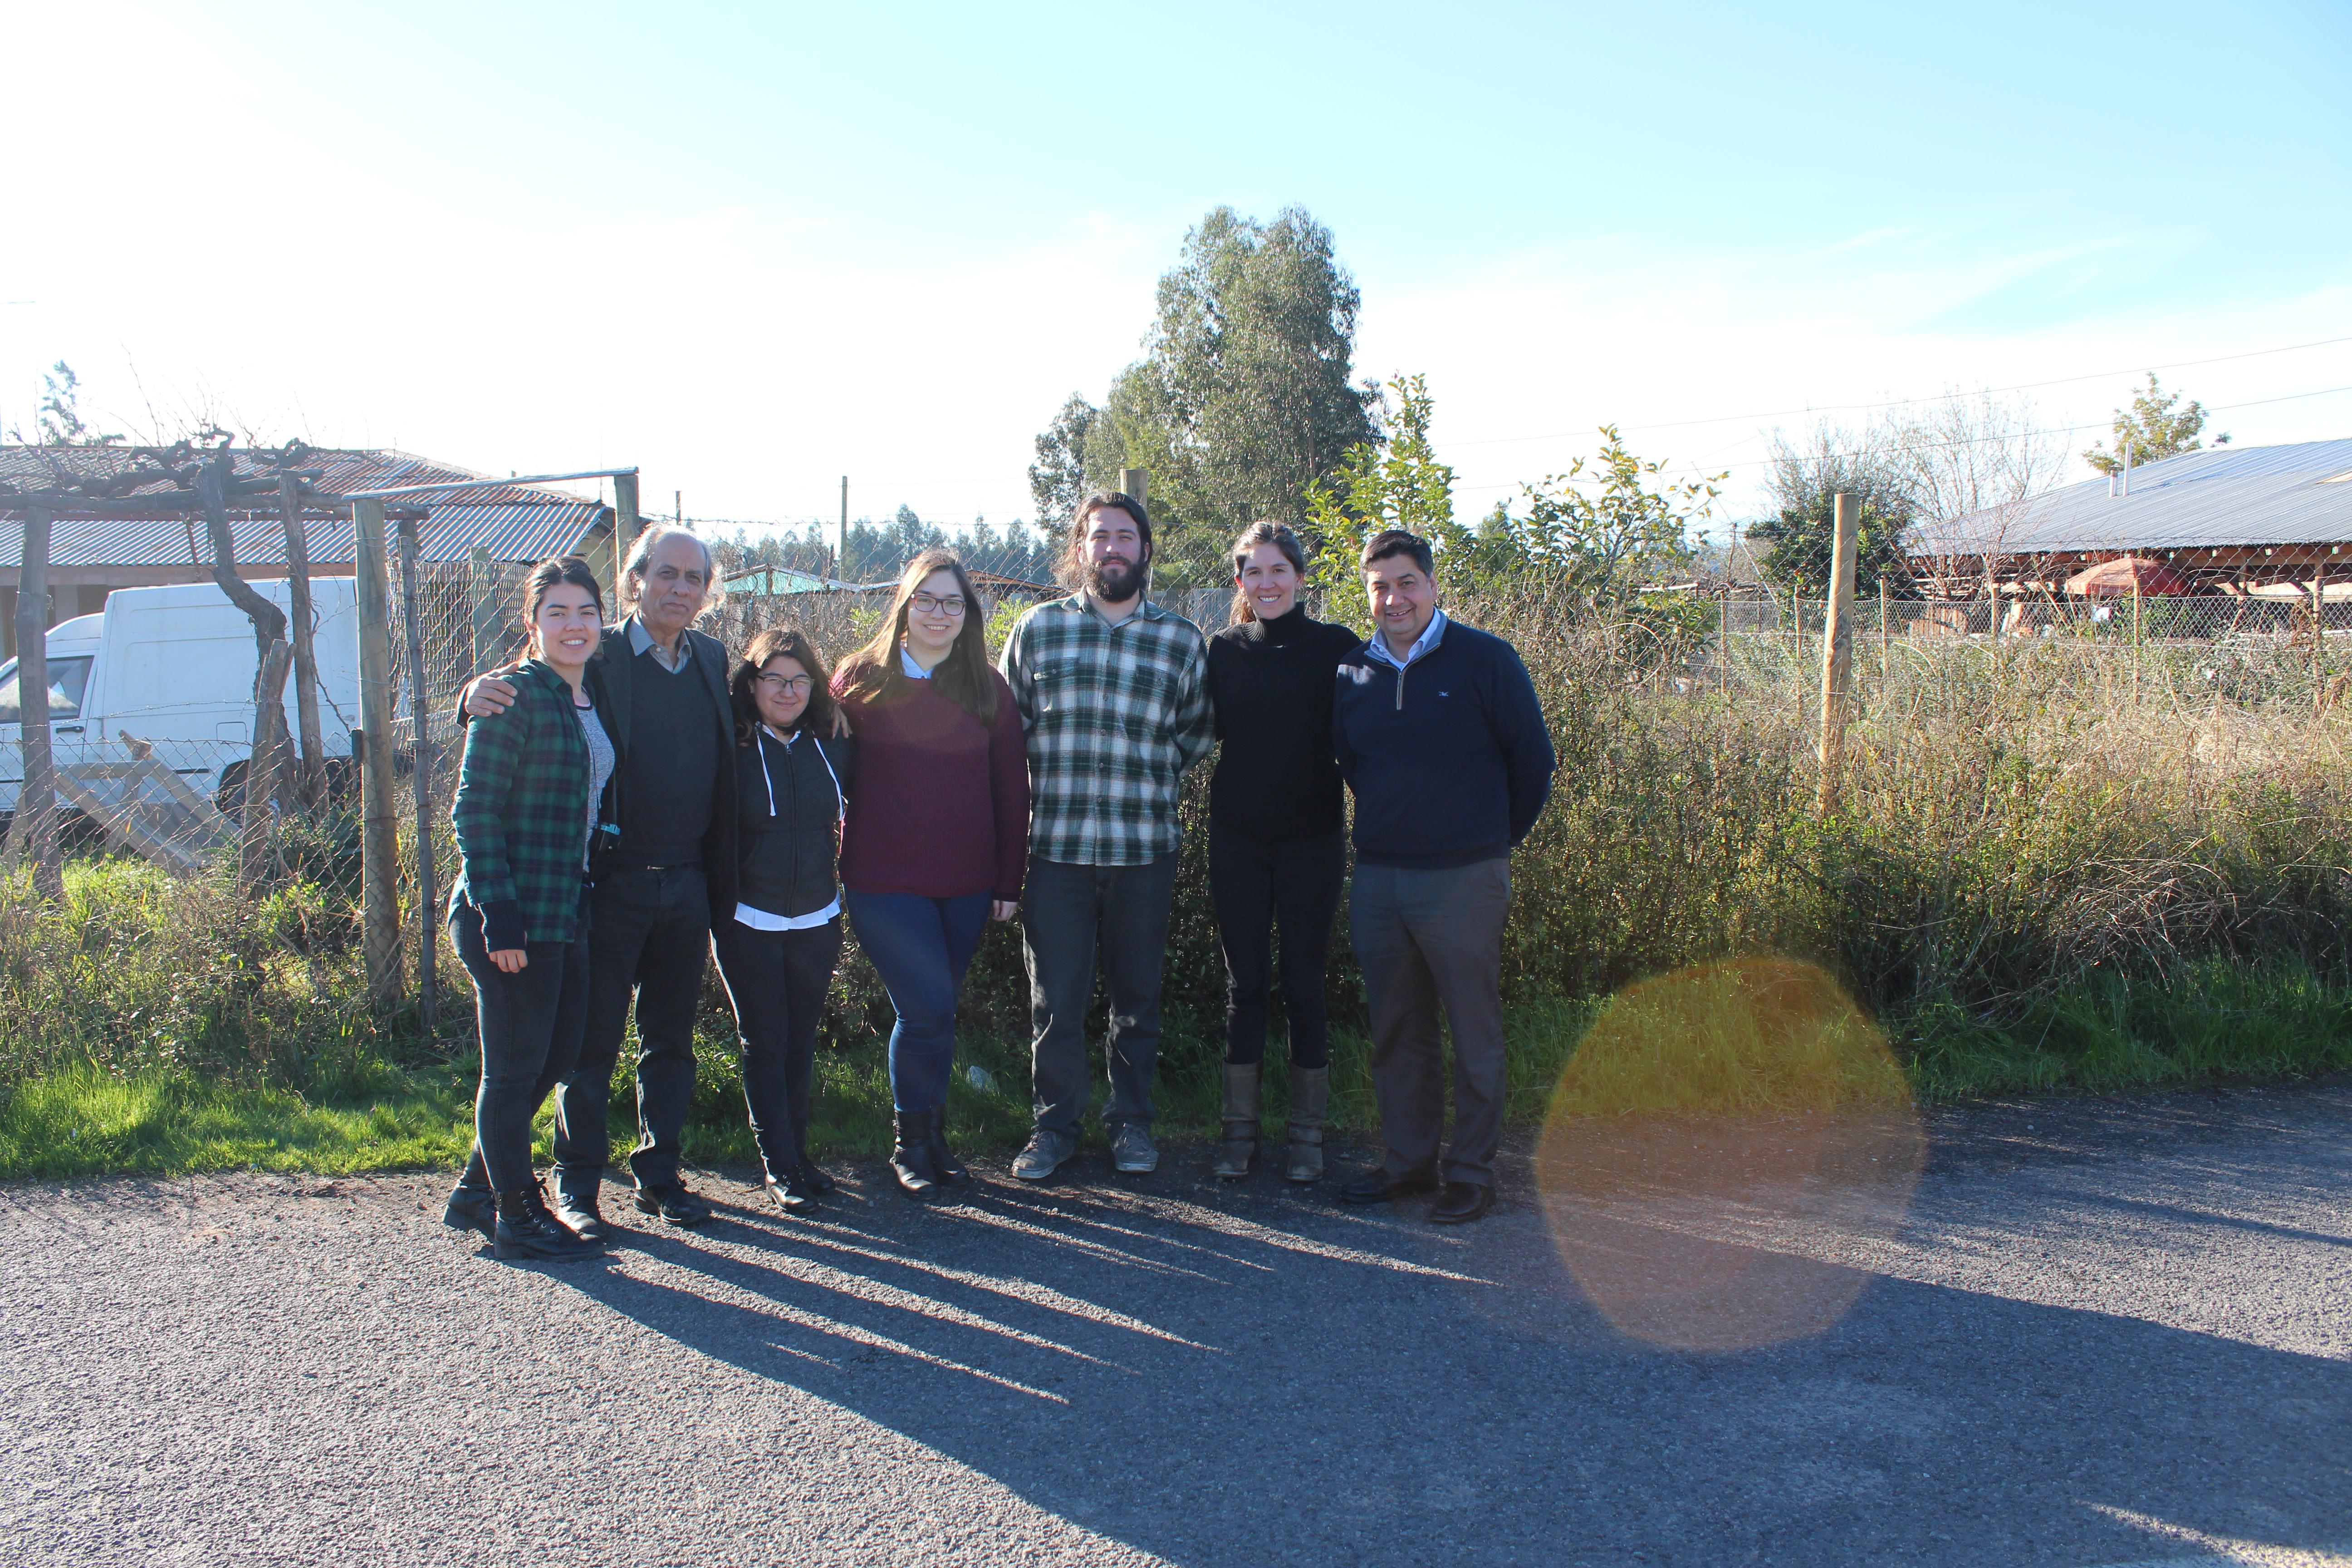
67, 678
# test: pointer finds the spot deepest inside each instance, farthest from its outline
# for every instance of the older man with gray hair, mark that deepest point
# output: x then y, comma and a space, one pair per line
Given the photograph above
666, 861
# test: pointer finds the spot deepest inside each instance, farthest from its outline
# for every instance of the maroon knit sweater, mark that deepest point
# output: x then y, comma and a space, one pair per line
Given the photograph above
940, 805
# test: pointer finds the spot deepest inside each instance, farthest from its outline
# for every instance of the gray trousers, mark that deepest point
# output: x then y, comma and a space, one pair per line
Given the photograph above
1427, 939
1068, 914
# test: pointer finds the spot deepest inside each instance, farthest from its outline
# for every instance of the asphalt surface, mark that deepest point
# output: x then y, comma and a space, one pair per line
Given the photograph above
2093, 1332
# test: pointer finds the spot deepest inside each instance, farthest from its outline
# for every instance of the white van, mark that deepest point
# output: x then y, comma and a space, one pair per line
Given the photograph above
168, 673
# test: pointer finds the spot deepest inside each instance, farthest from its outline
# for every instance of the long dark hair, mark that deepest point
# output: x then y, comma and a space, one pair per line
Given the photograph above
963, 678
557, 568
780, 642
1264, 532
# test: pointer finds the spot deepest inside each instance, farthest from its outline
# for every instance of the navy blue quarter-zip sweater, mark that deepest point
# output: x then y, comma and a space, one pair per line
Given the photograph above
1449, 758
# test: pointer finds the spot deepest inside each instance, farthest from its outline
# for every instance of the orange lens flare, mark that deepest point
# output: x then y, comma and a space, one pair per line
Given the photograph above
1722, 1137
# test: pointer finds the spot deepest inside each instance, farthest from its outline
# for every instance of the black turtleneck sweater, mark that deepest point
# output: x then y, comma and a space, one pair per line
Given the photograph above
1272, 682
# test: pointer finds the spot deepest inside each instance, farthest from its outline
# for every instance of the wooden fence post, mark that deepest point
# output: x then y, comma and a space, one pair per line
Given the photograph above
420, 721
35, 828
1135, 482
625, 523
312, 770
2137, 660
482, 603
379, 813
1837, 657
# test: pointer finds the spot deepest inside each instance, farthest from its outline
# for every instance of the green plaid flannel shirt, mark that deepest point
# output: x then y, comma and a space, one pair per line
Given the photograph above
1114, 714
521, 810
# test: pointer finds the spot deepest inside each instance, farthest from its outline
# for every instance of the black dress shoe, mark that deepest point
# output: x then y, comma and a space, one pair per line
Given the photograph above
473, 1208
795, 1195
673, 1203
1377, 1186
815, 1180
525, 1230
578, 1213
1459, 1202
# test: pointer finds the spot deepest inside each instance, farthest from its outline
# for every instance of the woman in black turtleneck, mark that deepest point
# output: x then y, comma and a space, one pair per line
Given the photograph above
1276, 843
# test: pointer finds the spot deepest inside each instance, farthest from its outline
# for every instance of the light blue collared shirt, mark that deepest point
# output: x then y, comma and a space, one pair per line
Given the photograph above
1430, 637
641, 639
907, 662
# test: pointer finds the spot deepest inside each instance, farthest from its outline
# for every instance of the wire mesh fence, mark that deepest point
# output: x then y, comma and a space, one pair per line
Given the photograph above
182, 806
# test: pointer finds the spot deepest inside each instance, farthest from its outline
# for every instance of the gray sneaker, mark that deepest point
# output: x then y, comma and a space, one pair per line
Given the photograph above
1132, 1152
1046, 1153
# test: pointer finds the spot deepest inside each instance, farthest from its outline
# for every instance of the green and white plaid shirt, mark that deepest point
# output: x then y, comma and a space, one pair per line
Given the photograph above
1114, 714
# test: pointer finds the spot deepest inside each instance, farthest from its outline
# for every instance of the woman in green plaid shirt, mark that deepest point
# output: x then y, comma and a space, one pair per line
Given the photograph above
527, 801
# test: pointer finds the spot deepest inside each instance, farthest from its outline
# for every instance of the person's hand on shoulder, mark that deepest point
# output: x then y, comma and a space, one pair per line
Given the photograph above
489, 694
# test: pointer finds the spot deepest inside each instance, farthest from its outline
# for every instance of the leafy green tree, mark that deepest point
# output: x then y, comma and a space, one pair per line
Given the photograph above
2153, 427
1246, 396
1604, 540
61, 412
1802, 535
1392, 481
1058, 479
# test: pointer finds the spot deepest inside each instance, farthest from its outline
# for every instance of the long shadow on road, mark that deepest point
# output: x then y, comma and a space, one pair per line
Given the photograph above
1231, 1379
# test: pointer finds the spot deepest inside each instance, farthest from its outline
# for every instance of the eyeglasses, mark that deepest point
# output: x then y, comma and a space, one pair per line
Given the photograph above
787, 685
931, 604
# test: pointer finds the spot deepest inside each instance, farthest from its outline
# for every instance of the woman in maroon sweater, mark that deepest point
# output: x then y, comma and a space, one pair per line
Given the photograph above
937, 832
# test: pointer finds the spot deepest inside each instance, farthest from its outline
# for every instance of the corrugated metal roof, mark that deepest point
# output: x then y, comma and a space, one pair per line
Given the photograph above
513, 522
2230, 496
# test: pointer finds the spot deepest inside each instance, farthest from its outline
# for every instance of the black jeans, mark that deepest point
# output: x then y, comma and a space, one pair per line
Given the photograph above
776, 981
650, 942
1254, 885
1067, 914
530, 1025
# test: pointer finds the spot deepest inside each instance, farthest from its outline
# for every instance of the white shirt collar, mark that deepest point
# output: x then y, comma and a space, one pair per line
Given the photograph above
1429, 638
907, 662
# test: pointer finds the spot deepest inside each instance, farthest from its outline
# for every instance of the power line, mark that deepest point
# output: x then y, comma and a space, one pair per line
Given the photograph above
1905, 401
1970, 441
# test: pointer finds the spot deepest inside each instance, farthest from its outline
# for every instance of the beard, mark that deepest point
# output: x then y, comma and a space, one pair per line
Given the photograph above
1115, 582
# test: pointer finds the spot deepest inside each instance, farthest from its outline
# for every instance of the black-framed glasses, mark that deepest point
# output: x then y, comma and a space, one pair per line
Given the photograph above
787, 685
931, 604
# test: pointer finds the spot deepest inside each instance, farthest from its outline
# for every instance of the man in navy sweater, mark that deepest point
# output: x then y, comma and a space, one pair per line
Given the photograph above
1441, 738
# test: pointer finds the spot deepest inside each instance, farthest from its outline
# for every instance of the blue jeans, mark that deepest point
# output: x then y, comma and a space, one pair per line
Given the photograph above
921, 947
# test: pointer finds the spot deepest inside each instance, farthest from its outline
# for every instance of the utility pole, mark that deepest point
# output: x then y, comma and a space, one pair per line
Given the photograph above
1837, 657
841, 540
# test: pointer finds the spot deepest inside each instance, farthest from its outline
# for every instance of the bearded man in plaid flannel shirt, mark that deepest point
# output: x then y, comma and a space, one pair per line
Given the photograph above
1114, 696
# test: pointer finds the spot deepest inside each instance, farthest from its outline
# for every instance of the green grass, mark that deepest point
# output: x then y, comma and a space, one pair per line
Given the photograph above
2220, 1022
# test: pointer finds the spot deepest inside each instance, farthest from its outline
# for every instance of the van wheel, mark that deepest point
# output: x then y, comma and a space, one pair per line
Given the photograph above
230, 796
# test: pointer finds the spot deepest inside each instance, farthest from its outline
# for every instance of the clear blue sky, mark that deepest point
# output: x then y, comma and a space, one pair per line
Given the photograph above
753, 247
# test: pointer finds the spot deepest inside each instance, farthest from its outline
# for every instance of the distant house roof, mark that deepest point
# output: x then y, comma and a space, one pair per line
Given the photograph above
512, 523
2230, 496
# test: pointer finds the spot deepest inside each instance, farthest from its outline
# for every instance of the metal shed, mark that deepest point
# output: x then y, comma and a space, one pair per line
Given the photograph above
2241, 518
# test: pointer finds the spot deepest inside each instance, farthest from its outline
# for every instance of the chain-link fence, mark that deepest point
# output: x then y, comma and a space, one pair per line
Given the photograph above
180, 807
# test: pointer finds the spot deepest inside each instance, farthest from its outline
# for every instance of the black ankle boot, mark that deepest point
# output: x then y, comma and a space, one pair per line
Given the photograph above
525, 1229
910, 1155
943, 1162
472, 1204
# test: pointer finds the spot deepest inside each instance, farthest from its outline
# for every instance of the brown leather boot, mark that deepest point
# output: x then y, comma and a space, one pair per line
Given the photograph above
1310, 1094
1241, 1123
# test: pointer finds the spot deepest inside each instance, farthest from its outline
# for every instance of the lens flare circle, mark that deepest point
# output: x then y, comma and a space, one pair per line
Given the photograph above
1722, 1137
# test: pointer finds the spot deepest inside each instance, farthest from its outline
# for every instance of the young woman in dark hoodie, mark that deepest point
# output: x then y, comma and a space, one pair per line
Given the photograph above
778, 951
1277, 850
938, 836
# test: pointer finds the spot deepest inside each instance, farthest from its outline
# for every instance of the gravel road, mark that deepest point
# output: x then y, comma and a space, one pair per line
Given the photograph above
2097, 1333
